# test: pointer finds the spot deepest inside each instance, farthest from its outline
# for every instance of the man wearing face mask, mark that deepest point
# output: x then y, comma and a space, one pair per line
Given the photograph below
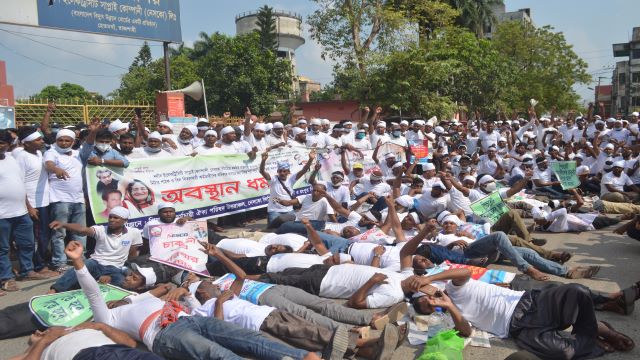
620, 135
153, 148
315, 137
101, 154
360, 141
397, 137
416, 131
64, 166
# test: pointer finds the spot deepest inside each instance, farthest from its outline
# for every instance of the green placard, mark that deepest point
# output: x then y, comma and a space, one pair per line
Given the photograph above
566, 173
490, 207
70, 308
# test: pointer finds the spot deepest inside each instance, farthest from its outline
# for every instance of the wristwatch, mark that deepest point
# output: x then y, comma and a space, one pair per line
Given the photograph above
102, 161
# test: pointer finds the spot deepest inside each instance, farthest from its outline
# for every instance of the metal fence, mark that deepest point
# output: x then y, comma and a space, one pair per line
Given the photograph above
71, 113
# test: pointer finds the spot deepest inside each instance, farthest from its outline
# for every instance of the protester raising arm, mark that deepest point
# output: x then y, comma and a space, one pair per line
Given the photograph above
307, 166
241, 275
407, 251
263, 172
44, 125
247, 123
339, 209
314, 173
76, 228
520, 184
314, 238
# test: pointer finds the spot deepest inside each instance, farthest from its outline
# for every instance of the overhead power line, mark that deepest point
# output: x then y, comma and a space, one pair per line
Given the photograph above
75, 40
53, 66
65, 50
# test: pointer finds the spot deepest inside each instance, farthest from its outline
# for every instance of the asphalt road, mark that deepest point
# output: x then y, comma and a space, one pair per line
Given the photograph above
617, 255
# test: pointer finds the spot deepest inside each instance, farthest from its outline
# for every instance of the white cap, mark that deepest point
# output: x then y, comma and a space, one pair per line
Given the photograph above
315, 122
502, 138
211, 132
539, 214
428, 166
381, 124
325, 122
389, 155
610, 146
404, 122
155, 135
120, 212
635, 113
268, 126
439, 130
397, 165
65, 132
439, 184
260, 127
610, 120
148, 273
301, 121
583, 170
166, 123
451, 218
297, 131
278, 125
418, 122
193, 129
469, 178
116, 125
485, 179
599, 122
227, 130
164, 205
619, 163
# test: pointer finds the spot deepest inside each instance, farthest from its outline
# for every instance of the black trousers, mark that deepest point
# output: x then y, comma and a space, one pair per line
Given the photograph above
114, 352
17, 320
308, 280
525, 283
541, 316
254, 265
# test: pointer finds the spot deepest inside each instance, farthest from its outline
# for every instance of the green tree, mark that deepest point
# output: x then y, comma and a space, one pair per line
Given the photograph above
67, 91
543, 66
476, 15
266, 22
143, 59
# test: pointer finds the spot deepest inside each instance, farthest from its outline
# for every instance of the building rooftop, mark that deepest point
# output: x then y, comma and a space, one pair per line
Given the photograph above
275, 13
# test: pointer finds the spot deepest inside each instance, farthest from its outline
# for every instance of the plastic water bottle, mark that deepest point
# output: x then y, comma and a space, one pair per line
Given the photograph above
437, 322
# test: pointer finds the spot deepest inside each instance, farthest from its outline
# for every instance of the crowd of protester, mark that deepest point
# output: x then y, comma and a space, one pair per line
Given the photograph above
369, 236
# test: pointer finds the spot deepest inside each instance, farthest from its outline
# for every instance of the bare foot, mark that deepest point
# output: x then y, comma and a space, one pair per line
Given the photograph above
537, 274
618, 340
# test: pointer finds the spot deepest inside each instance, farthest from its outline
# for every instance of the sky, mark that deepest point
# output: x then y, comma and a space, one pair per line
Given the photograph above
591, 26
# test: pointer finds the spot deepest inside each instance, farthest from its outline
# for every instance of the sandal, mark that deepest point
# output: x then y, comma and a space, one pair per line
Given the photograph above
387, 343
403, 334
582, 272
604, 345
620, 344
392, 315
9, 285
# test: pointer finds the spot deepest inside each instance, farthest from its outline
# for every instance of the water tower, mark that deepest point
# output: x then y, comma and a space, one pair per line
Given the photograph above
288, 29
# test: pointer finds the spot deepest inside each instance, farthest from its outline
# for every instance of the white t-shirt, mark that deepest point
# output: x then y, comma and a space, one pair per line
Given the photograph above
276, 191
36, 178
182, 149
237, 311
488, 139
280, 262
361, 144
294, 240
69, 345
485, 306
446, 239
342, 281
318, 140
544, 175
205, 150
475, 194
341, 194
616, 182
272, 139
430, 207
561, 221
362, 253
313, 210
141, 153
375, 137
459, 201
12, 190
113, 249
380, 189
253, 142
242, 246
488, 166
68, 190
353, 220
235, 147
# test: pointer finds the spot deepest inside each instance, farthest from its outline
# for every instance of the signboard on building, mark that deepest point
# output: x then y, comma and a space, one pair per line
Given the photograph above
157, 20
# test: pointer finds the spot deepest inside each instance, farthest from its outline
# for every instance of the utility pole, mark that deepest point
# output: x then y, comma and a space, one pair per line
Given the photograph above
167, 71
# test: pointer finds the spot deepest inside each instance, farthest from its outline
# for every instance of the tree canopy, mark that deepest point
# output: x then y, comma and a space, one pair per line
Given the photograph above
266, 22
67, 91
237, 72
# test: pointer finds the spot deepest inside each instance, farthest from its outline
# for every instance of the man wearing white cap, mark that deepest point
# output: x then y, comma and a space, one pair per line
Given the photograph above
429, 175
416, 132
434, 201
185, 145
117, 127
276, 138
153, 148
228, 144
166, 215
36, 183
298, 138
619, 134
209, 145
115, 243
378, 134
281, 194
326, 126
64, 166
315, 137
256, 137
613, 183
489, 137
490, 162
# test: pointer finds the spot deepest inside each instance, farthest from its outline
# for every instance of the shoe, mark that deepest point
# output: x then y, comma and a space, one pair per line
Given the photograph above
32, 275
538, 242
479, 262
339, 344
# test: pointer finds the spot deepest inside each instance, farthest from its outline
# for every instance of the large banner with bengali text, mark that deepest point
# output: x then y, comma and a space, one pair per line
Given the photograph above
202, 187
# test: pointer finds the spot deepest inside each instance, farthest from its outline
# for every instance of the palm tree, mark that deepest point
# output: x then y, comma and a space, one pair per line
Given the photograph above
202, 46
476, 15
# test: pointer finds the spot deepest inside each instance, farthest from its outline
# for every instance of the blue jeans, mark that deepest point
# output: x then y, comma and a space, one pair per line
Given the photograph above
497, 241
540, 263
551, 191
22, 229
197, 337
298, 228
379, 205
67, 213
69, 281
42, 235
272, 215
440, 253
